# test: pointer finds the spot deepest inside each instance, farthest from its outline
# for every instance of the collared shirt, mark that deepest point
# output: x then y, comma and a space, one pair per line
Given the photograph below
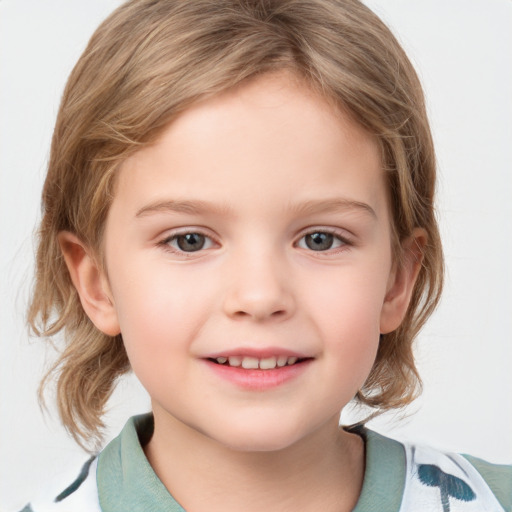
398, 478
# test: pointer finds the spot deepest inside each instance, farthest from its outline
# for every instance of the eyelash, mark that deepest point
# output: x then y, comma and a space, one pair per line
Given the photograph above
342, 237
166, 242
344, 240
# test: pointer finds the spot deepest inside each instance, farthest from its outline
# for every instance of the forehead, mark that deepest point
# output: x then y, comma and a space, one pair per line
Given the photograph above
271, 138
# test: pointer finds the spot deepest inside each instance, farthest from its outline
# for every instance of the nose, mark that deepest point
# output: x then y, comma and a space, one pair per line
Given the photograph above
258, 288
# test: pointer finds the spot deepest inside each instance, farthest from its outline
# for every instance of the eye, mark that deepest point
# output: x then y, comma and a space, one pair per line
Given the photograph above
321, 241
188, 242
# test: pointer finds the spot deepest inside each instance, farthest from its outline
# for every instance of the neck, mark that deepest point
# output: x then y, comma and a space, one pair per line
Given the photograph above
322, 472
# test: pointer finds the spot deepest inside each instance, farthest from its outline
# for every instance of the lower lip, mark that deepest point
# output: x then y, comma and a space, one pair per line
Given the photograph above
259, 380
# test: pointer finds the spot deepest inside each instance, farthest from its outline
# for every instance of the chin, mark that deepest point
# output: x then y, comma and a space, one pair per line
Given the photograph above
266, 439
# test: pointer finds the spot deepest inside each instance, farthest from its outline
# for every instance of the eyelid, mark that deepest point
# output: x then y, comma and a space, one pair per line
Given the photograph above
175, 233
342, 234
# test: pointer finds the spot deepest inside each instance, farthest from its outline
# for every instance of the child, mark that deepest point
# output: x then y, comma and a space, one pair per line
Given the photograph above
239, 207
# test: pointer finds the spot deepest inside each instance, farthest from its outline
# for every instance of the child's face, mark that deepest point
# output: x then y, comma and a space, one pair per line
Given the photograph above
257, 227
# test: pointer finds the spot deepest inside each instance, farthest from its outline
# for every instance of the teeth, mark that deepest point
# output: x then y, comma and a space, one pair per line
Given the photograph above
250, 363
282, 360
253, 363
268, 363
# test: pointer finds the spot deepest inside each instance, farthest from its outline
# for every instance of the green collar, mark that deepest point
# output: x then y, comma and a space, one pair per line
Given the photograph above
384, 475
126, 481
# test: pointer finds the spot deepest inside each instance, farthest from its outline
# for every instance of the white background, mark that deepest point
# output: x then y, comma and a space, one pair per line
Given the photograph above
463, 52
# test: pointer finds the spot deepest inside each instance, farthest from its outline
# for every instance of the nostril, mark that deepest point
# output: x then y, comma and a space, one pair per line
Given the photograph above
275, 314
241, 313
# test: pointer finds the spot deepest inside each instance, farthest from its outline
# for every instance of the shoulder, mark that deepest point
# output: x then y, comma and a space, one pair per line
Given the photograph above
76, 491
409, 477
456, 481
497, 476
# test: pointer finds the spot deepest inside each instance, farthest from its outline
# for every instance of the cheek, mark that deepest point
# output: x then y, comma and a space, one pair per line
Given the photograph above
159, 313
346, 314
348, 299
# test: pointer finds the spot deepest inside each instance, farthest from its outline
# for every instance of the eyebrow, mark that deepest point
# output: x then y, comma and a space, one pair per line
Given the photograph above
332, 206
195, 207
200, 207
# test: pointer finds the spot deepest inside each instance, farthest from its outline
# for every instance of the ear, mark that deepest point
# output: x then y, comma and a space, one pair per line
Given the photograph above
90, 282
401, 281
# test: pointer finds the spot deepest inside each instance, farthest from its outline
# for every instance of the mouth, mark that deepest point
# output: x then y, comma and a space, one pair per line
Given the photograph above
255, 363
258, 370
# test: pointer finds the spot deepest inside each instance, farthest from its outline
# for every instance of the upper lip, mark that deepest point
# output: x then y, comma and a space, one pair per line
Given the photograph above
259, 353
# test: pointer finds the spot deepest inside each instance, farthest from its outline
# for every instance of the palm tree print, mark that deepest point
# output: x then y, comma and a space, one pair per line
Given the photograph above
449, 485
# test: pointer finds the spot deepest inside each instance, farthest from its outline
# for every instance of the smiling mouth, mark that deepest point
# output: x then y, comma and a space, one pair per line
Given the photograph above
254, 363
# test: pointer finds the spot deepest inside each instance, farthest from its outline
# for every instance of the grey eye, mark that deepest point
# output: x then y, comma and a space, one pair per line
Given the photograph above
190, 242
319, 241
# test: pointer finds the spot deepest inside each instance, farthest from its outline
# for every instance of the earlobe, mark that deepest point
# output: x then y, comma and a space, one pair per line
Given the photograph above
90, 283
401, 282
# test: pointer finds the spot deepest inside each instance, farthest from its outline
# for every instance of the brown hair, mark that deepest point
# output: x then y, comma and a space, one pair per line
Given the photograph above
149, 61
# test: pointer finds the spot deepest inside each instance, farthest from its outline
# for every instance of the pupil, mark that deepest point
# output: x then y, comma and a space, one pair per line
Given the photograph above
319, 241
190, 242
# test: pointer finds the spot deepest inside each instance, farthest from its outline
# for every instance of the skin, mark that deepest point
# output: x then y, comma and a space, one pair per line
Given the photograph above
254, 170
